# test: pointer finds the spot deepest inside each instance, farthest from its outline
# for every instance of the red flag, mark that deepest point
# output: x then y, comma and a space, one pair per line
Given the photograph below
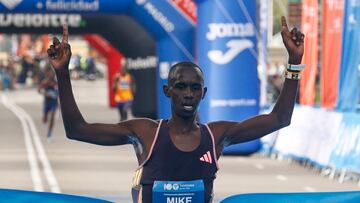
333, 11
309, 24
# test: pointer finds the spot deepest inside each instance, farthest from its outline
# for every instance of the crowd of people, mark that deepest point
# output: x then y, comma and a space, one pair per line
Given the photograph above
24, 63
26, 71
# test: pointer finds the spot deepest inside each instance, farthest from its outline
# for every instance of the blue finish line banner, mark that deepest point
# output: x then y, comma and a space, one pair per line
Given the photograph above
309, 197
22, 196
63, 6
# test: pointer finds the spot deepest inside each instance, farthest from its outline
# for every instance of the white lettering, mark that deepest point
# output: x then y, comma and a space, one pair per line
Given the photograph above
141, 63
222, 30
178, 199
232, 102
39, 20
170, 200
159, 17
80, 5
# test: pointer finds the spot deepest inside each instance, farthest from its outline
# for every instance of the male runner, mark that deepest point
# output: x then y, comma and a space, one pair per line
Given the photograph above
123, 90
179, 148
48, 87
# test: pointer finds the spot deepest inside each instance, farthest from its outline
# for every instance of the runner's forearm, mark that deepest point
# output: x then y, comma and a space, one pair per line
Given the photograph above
72, 117
285, 104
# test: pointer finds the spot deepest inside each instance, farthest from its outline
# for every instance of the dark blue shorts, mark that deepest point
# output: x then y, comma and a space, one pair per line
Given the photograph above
50, 105
122, 105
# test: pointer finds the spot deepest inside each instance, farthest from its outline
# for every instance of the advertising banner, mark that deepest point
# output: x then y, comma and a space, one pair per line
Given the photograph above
333, 11
349, 70
227, 51
174, 34
263, 49
63, 6
166, 21
309, 26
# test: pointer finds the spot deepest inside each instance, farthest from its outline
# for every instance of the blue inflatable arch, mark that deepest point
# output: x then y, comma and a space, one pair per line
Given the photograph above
226, 48
173, 33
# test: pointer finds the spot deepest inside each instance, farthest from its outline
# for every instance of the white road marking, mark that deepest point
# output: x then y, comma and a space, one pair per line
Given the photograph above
34, 168
49, 174
26, 118
281, 177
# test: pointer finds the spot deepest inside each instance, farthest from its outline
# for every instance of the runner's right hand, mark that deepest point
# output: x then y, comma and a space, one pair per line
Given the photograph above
60, 52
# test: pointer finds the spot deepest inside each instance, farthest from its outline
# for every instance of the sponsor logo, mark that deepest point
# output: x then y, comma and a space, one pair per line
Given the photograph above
206, 157
235, 47
159, 17
222, 30
141, 63
10, 4
40, 20
80, 5
170, 186
232, 102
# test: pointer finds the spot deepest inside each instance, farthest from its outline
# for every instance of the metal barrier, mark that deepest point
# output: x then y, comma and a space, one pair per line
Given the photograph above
320, 138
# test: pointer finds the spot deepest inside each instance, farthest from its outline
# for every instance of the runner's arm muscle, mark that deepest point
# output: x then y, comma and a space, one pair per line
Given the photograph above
75, 125
227, 132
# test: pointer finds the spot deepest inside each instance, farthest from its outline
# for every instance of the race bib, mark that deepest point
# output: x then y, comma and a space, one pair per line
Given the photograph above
53, 94
178, 191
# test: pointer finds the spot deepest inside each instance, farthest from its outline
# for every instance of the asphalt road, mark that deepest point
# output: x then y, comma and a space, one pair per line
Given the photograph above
29, 161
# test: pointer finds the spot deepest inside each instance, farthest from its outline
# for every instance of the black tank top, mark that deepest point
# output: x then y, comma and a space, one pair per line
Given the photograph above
166, 162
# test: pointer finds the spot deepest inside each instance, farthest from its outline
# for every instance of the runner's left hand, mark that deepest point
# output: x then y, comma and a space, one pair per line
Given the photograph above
293, 41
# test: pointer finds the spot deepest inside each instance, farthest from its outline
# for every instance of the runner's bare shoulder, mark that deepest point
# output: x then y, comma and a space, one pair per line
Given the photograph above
143, 127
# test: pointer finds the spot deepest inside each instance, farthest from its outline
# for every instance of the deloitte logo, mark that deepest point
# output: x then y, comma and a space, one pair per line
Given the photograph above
40, 20
10, 4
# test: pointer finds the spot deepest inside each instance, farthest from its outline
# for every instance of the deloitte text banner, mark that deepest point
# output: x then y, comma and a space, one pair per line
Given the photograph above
350, 60
227, 50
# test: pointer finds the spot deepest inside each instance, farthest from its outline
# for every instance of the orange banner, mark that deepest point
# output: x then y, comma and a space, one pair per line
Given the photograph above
333, 11
309, 25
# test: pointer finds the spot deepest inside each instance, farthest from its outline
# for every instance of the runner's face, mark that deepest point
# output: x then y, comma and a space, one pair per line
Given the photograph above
186, 90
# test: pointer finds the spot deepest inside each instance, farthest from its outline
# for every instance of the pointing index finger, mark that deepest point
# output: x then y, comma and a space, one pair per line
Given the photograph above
65, 33
283, 23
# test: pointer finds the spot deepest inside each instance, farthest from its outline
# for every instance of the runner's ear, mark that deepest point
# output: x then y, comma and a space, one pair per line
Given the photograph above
166, 90
205, 90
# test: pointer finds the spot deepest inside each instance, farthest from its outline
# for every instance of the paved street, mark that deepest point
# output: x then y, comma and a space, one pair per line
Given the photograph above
29, 161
